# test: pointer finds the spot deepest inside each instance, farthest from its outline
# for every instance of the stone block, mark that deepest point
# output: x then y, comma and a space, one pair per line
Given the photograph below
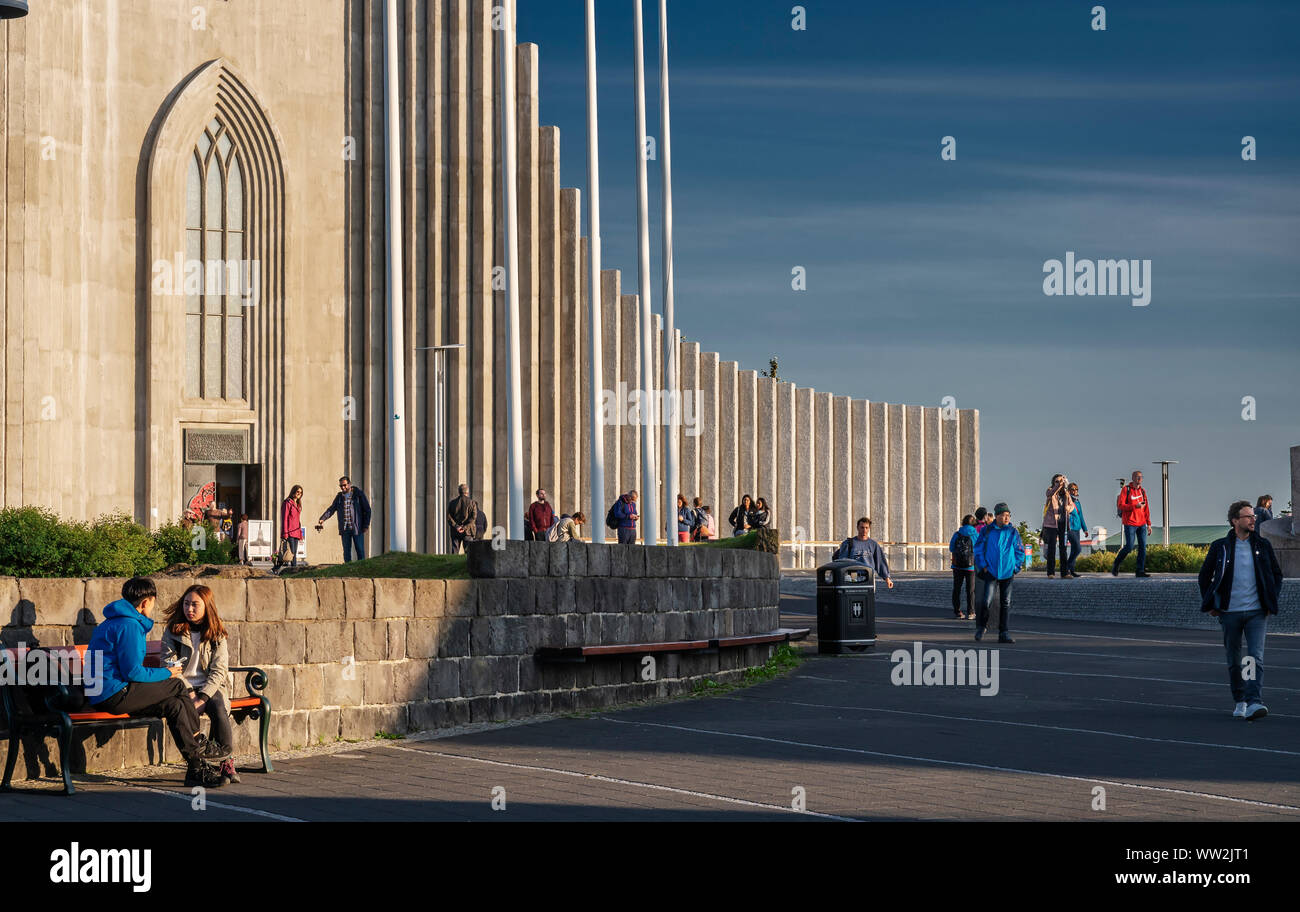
656, 560
290, 642
444, 678
411, 681
396, 650
576, 558
57, 601
530, 673
566, 596
675, 626
359, 598
493, 596
486, 561
288, 731
100, 593
280, 687
686, 595
359, 723
453, 640
394, 598
461, 598
422, 638
429, 715
258, 644
615, 629
675, 560
710, 562
557, 562
371, 640
690, 561
17, 612
522, 595
323, 725
342, 683
330, 599
266, 600
300, 600
430, 598
308, 687
538, 558
598, 559
476, 677
376, 682
585, 595
329, 641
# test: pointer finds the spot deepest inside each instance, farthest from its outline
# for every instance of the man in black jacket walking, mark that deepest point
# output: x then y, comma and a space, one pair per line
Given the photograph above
353, 511
1240, 581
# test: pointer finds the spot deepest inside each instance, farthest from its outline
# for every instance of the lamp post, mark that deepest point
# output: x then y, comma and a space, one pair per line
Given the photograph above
509, 188
393, 332
649, 475
440, 438
670, 342
1164, 493
593, 289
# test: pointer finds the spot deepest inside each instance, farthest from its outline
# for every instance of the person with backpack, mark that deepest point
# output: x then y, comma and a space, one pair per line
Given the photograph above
566, 527
538, 519
127, 688
962, 548
1135, 514
708, 525
739, 518
999, 556
697, 518
623, 516
194, 639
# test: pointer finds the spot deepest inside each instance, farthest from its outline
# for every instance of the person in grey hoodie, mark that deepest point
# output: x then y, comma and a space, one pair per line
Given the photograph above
127, 688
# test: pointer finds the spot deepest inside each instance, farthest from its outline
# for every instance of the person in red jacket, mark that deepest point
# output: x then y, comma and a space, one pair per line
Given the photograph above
1135, 514
538, 518
290, 528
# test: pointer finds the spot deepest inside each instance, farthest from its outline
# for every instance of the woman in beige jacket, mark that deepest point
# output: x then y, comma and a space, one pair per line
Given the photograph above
195, 640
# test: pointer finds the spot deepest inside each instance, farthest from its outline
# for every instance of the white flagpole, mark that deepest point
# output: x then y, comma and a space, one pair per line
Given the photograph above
650, 493
597, 365
509, 176
393, 329
670, 358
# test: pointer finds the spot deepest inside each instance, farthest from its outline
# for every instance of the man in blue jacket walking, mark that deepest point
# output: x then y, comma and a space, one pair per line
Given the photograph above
129, 689
999, 556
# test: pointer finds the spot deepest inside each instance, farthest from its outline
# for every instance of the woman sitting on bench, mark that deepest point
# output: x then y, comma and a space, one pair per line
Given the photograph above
194, 639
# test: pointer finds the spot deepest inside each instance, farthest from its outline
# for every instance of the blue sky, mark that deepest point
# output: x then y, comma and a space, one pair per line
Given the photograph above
821, 148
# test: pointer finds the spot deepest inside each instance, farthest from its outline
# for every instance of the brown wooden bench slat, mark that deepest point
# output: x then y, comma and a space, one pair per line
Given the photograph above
780, 635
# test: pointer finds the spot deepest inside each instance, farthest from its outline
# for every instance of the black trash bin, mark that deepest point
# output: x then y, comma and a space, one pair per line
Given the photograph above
846, 608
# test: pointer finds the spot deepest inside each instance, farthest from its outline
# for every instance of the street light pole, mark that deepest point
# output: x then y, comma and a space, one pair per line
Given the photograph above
670, 334
440, 439
393, 324
1164, 493
509, 186
649, 475
597, 364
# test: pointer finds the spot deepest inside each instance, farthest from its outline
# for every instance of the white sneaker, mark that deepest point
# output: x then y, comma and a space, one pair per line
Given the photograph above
1256, 711
1240, 711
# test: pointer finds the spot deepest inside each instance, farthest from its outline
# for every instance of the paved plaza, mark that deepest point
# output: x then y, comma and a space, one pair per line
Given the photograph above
1140, 712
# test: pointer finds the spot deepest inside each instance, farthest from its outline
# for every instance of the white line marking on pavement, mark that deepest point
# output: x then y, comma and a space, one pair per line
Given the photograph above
611, 779
1203, 709
187, 796
1079, 731
981, 766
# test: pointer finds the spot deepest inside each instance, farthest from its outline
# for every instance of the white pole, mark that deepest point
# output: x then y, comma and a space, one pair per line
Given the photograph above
509, 177
649, 477
598, 505
670, 336
393, 330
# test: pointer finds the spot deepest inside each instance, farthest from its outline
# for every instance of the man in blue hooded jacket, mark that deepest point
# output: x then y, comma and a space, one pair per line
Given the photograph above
129, 689
999, 556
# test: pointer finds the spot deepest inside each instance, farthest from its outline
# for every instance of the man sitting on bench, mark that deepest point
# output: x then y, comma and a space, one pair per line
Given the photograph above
128, 688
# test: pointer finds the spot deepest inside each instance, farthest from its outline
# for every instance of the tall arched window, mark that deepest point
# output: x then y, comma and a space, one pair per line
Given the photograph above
214, 237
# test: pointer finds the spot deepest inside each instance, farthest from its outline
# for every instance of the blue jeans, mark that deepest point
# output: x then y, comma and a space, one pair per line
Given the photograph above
1254, 624
1131, 533
627, 535
353, 540
1067, 565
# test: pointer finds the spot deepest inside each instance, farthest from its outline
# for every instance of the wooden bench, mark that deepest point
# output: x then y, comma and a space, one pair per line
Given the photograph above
582, 653
60, 708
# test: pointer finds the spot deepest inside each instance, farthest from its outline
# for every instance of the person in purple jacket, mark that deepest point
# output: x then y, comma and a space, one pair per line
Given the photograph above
127, 688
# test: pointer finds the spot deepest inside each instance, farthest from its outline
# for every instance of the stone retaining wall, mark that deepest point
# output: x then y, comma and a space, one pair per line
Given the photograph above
351, 657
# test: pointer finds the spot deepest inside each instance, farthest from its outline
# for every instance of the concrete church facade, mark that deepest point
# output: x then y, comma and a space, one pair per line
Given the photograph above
141, 138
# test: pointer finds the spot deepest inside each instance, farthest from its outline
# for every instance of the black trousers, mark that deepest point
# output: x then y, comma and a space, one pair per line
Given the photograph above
218, 712
1051, 538
1067, 564
627, 535
963, 578
1003, 588
169, 699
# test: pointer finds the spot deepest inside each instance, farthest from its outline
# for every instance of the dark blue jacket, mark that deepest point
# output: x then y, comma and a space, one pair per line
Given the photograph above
969, 532
360, 507
685, 519
121, 641
625, 513
866, 552
1215, 577
999, 552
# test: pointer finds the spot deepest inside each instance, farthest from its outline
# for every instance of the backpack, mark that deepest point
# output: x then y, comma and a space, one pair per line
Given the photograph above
553, 533
963, 553
611, 518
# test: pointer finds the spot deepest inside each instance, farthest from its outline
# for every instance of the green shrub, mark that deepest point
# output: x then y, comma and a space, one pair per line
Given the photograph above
175, 543
178, 545
119, 546
35, 542
1174, 559
32, 542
